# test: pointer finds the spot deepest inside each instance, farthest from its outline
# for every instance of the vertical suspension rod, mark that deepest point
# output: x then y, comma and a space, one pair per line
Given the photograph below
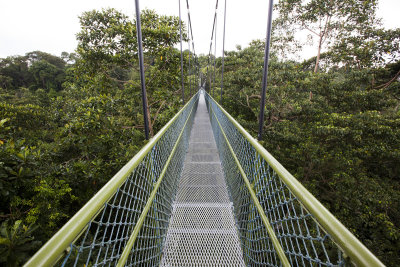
265, 74
180, 31
191, 37
190, 26
223, 56
190, 54
211, 41
215, 49
194, 72
141, 65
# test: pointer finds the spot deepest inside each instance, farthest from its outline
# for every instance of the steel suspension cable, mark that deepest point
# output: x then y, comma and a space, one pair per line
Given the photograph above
223, 55
208, 74
215, 49
265, 74
211, 41
212, 32
141, 64
190, 84
180, 31
191, 39
190, 26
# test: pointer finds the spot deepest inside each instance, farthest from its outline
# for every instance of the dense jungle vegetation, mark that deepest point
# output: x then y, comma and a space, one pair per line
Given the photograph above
69, 123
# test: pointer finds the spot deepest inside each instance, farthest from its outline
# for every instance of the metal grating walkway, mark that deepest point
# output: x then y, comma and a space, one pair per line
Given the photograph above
202, 231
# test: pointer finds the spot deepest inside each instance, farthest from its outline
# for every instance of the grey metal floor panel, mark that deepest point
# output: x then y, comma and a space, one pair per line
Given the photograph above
202, 179
203, 194
202, 157
202, 249
200, 150
215, 217
192, 167
202, 230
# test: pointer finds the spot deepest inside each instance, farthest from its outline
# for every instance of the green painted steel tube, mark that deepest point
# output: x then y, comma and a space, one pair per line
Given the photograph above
57, 245
264, 218
352, 247
128, 247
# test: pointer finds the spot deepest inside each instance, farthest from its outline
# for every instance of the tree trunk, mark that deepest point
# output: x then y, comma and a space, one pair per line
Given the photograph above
149, 119
318, 54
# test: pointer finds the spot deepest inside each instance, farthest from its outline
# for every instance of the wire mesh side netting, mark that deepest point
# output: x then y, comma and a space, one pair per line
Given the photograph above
103, 240
303, 240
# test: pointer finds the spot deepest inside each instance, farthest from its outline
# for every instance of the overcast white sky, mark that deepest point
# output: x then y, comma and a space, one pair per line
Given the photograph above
51, 25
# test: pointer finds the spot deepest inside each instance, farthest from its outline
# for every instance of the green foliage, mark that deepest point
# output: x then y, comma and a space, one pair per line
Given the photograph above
373, 47
108, 46
351, 25
34, 70
108, 59
16, 243
14, 72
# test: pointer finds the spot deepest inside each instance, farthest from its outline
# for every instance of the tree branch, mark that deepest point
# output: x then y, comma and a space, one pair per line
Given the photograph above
307, 28
158, 111
386, 85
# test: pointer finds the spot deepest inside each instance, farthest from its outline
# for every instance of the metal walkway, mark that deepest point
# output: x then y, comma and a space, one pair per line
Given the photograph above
202, 230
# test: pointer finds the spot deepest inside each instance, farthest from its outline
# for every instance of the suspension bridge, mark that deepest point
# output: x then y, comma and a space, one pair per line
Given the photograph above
203, 192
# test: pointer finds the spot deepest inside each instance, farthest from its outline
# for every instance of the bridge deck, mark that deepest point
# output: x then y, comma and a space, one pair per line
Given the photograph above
202, 230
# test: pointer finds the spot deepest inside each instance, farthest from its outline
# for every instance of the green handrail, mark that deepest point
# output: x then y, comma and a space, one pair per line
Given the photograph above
139, 224
347, 242
261, 212
53, 250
